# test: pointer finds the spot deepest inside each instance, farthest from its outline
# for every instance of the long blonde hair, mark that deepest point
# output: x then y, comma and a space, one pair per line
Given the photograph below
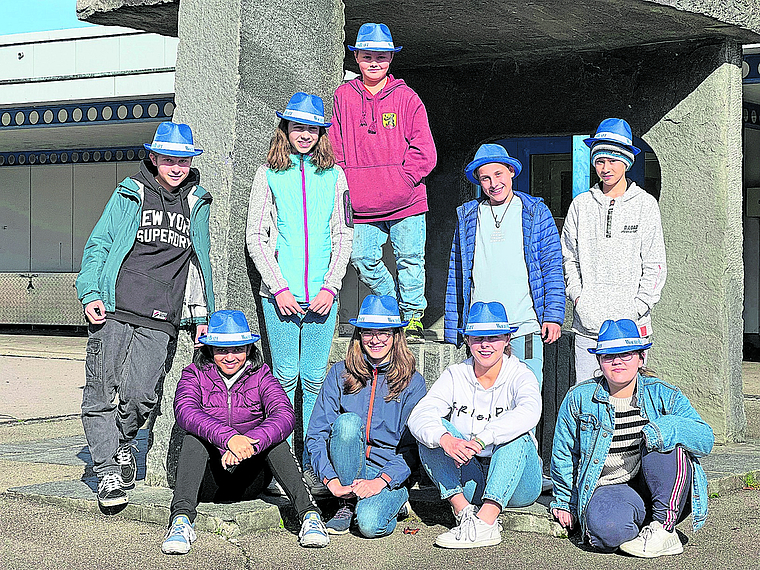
358, 373
280, 149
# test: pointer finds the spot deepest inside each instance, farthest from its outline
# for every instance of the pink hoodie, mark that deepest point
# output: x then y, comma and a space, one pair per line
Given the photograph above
384, 144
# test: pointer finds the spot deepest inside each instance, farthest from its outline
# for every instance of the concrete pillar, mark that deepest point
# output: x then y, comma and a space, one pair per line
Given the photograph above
698, 324
237, 63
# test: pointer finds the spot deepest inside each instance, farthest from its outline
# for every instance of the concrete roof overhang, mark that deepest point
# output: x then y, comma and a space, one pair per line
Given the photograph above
453, 32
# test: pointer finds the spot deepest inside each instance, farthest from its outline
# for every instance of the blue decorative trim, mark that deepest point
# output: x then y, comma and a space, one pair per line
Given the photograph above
751, 69
74, 156
751, 115
37, 116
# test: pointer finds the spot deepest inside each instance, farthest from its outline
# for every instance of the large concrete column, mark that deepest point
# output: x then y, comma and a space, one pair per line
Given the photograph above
238, 62
698, 324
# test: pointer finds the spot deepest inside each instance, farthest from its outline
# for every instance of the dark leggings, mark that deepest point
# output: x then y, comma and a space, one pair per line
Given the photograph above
660, 492
202, 478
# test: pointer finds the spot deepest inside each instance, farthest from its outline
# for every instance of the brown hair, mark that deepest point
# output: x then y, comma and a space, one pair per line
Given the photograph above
358, 371
280, 150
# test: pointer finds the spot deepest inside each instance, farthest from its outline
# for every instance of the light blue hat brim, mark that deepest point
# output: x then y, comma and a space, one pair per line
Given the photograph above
371, 325
590, 142
470, 169
619, 349
177, 153
393, 49
494, 332
303, 121
254, 338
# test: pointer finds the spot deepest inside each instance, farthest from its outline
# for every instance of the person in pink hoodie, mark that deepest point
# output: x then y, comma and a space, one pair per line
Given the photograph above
382, 140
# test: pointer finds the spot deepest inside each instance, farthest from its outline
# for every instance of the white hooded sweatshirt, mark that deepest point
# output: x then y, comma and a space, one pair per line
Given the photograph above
614, 258
504, 412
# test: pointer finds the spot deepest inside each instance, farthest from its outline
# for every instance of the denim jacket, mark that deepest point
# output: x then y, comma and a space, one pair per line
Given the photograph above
584, 430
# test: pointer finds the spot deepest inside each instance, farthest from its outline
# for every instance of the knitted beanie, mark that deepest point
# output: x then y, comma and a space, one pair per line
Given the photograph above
608, 149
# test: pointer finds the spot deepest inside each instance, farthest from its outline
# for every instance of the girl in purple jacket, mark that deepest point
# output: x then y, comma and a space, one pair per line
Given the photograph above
237, 417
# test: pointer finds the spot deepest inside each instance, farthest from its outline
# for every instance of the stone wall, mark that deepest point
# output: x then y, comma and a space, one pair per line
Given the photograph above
237, 63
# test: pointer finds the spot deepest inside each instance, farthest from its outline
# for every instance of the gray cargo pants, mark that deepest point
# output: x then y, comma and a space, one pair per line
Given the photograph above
129, 361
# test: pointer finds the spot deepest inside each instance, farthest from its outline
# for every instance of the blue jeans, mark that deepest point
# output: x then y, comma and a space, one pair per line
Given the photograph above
408, 237
300, 347
376, 515
536, 364
660, 491
511, 477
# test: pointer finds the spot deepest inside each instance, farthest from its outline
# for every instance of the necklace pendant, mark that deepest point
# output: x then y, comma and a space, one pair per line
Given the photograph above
498, 225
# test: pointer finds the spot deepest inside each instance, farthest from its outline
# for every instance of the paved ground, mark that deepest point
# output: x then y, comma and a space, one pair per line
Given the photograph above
53, 453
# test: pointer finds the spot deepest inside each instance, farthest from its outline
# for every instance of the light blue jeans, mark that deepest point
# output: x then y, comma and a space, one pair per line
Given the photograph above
376, 515
511, 477
300, 347
408, 236
536, 364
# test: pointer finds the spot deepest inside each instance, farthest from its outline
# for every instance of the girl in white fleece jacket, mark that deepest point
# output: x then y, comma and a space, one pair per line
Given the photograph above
475, 431
613, 249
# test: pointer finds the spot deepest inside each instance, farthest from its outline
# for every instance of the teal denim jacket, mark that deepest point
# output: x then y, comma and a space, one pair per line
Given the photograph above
584, 430
114, 235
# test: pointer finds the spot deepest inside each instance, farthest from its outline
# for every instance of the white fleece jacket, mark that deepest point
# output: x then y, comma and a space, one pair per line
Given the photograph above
614, 258
507, 410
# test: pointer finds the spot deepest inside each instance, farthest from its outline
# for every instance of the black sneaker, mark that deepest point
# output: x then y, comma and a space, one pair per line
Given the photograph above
316, 487
110, 493
125, 459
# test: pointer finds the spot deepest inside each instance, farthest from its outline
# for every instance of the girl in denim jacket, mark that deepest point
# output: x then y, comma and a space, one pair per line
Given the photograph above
624, 459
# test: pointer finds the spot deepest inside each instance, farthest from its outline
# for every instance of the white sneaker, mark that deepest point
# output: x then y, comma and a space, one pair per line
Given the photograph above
653, 541
313, 532
468, 511
472, 532
179, 537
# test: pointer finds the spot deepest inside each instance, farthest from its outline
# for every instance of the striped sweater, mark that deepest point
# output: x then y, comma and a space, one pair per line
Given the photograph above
624, 459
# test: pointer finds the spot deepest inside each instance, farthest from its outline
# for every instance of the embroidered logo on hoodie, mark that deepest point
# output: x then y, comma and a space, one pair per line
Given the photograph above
632, 229
389, 120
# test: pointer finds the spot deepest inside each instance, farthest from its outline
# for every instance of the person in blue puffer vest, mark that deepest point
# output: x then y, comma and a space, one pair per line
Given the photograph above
506, 248
299, 236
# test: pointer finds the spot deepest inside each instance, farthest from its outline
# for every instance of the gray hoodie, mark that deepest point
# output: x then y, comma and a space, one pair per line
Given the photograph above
614, 258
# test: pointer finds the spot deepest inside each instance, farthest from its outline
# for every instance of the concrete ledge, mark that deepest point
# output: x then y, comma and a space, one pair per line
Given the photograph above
151, 505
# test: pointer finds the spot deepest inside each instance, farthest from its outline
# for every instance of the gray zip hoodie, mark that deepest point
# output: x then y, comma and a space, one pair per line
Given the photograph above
613, 254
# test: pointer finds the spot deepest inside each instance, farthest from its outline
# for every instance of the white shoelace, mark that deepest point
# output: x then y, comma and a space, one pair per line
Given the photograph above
124, 455
313, 524
467, 529
182, 529
109, 482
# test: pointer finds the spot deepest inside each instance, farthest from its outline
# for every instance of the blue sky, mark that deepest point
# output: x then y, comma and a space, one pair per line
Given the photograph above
20, 16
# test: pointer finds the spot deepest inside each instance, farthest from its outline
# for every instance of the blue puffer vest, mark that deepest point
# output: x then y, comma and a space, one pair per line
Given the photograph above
543, 257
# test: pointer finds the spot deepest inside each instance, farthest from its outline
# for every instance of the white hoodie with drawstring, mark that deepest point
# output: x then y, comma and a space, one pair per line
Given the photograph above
614, 258
497, 415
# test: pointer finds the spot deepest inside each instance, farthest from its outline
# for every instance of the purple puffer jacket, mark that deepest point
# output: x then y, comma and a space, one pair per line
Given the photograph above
255, 406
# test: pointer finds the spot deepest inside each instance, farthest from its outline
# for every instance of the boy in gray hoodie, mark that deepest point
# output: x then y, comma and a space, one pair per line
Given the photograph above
612, 246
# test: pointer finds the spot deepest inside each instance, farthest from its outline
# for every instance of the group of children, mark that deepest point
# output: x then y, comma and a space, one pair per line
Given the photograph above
324, 198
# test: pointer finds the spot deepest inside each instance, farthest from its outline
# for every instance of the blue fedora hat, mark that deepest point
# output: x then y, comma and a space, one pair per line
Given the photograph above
487, 319
488, 153
374, 37
616, 337
173, 139
614, 131
305, 109
378, 312
228, 328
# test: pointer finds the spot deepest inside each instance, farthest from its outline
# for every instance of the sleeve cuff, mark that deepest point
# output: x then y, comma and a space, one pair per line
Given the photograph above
333, 293
280, 291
